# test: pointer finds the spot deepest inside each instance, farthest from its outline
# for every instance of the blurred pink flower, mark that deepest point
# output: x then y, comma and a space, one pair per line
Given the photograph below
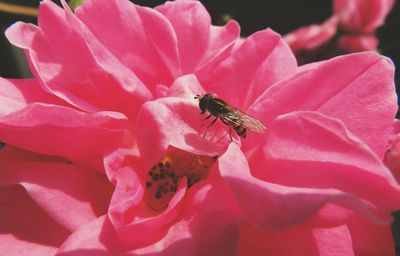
361, 16
351, 28
105, 155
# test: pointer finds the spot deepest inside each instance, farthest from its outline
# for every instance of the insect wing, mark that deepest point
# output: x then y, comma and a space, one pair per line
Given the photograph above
253, 124
235, 116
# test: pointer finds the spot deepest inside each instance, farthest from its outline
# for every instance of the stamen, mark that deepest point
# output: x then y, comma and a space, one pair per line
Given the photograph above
164, 177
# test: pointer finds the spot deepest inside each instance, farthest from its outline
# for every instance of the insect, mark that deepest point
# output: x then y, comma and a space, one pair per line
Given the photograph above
231, 116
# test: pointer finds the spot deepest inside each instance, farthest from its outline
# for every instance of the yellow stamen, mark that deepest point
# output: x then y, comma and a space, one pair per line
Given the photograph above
165, 176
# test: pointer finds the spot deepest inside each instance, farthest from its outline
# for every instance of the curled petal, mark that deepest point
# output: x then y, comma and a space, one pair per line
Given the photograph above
127, 195
167, 44
191, 23
186, 87
201, 46
107, 20
357, 89
221, 42
162, 36
267, 59
59, 71
15, 94
61, 131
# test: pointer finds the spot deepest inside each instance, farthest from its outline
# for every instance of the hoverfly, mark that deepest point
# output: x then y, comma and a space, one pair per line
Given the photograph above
231, 116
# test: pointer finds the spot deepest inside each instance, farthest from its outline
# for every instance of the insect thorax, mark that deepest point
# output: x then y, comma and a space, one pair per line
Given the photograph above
217, 107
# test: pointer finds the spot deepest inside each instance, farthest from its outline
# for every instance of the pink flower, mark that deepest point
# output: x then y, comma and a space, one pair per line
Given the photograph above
350, 29
361, 16
106, 155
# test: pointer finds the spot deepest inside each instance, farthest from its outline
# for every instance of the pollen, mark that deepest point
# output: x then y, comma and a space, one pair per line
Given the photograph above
164, 177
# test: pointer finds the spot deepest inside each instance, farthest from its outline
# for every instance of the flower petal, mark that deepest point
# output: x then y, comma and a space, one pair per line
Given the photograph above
262, 59
60, 71
221, 42
175, 121
96, 238
362, 15
186, 87
370, 239
25, 229
61, 131
127, 196
188, 234
307, 149
191, 23
118, 26
357, 89
302, 240
208, 225
162, 36
77, 190
129, 211
312, 131
358, 43
273, 206
312, 37
315, 161
15, 94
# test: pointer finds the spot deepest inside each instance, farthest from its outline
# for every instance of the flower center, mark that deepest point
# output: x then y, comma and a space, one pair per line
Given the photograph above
164, 177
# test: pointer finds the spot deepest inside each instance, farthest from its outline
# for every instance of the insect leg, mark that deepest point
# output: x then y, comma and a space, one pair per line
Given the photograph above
230, 127
210, 115
213, 121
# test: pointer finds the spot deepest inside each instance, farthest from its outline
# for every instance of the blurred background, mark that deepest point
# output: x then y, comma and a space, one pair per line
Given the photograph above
283, 16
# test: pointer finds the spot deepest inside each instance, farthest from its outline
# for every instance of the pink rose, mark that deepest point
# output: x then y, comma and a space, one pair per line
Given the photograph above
350, 29
361, 16
312, 37
106, 152
358, 43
